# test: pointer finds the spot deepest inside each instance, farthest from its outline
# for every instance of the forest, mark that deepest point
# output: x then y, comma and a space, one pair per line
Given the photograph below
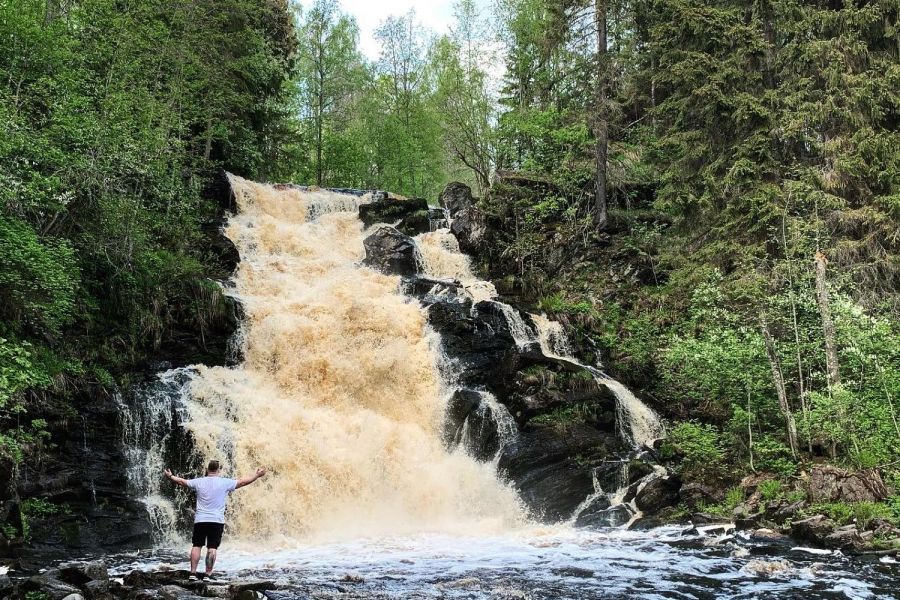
705, 192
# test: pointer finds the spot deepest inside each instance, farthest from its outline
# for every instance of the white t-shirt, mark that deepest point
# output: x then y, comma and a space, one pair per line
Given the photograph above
211, 495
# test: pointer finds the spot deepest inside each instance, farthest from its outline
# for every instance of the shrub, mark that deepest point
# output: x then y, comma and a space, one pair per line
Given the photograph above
699, 445
770, 490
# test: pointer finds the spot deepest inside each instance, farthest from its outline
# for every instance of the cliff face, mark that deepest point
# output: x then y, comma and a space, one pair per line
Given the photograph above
68, 495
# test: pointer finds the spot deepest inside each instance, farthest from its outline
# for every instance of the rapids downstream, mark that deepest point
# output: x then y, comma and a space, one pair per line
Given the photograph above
341, 393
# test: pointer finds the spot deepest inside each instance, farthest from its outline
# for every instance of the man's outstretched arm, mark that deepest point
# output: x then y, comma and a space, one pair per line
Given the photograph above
175, 479
251, 478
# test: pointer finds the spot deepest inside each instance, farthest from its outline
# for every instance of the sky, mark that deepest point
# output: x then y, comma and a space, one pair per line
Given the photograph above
437, 15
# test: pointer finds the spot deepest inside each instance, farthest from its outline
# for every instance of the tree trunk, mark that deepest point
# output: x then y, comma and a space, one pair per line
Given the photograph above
601, 131
824, 301
778, 380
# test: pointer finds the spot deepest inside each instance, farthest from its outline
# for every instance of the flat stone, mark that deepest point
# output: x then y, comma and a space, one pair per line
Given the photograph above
79, 573
258, 585
50, 585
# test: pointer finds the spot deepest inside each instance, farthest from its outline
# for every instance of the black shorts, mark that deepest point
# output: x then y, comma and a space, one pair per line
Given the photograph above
207, 534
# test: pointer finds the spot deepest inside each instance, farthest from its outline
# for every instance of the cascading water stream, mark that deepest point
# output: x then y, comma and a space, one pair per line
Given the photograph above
341, 397
339, 394
636, 423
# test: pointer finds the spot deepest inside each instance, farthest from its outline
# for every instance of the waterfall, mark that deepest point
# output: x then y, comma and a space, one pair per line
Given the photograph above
489, 428
638, 425
151, 439
339, 395
552, 337
438, 255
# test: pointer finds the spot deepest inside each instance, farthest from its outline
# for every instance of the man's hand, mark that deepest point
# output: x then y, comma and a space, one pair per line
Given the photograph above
260, 471
175, 479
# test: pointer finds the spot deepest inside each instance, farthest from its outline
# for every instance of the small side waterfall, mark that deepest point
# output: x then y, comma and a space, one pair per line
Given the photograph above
153, 439
439, 256
488, 429
552, 337
638, 425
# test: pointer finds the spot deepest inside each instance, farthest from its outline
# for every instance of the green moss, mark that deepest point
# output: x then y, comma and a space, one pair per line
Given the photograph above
561, 416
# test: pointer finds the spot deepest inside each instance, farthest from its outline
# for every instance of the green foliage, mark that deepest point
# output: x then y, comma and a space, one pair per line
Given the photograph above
558, 305
861, 513
699, 446
38, 281
36, 509
113, 117
770, 490
733, 497
564, 415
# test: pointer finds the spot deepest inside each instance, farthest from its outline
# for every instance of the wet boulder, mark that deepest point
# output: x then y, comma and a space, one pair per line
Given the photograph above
831, 484
812, 529
545, 387
224, 253
81, 573
658, 493
480, 345
462, 403
611, 516
550, 467
409, 216
432, 289
390, 251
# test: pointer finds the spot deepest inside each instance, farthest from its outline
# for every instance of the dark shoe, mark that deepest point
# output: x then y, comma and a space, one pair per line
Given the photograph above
193, 577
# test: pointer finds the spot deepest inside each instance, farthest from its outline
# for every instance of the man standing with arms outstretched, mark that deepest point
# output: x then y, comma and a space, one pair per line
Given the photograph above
209, 520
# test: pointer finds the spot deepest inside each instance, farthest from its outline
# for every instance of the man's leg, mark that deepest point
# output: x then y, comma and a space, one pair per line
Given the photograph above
195, 558
212, 545
210, 560
198, 540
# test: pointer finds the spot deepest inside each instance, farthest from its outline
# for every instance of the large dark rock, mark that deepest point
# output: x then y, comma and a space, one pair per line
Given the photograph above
80, 573
86, 475
596, 515
822, 531
456, 197
49, 586
430, 290
390, 251
551, 467
698, 496
223, 252
658, 493
831, 484
467, 221
813, 529
479, 343
410, 215
548, 386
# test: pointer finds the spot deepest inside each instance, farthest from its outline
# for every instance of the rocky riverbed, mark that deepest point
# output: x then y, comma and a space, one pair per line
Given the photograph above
702, 562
